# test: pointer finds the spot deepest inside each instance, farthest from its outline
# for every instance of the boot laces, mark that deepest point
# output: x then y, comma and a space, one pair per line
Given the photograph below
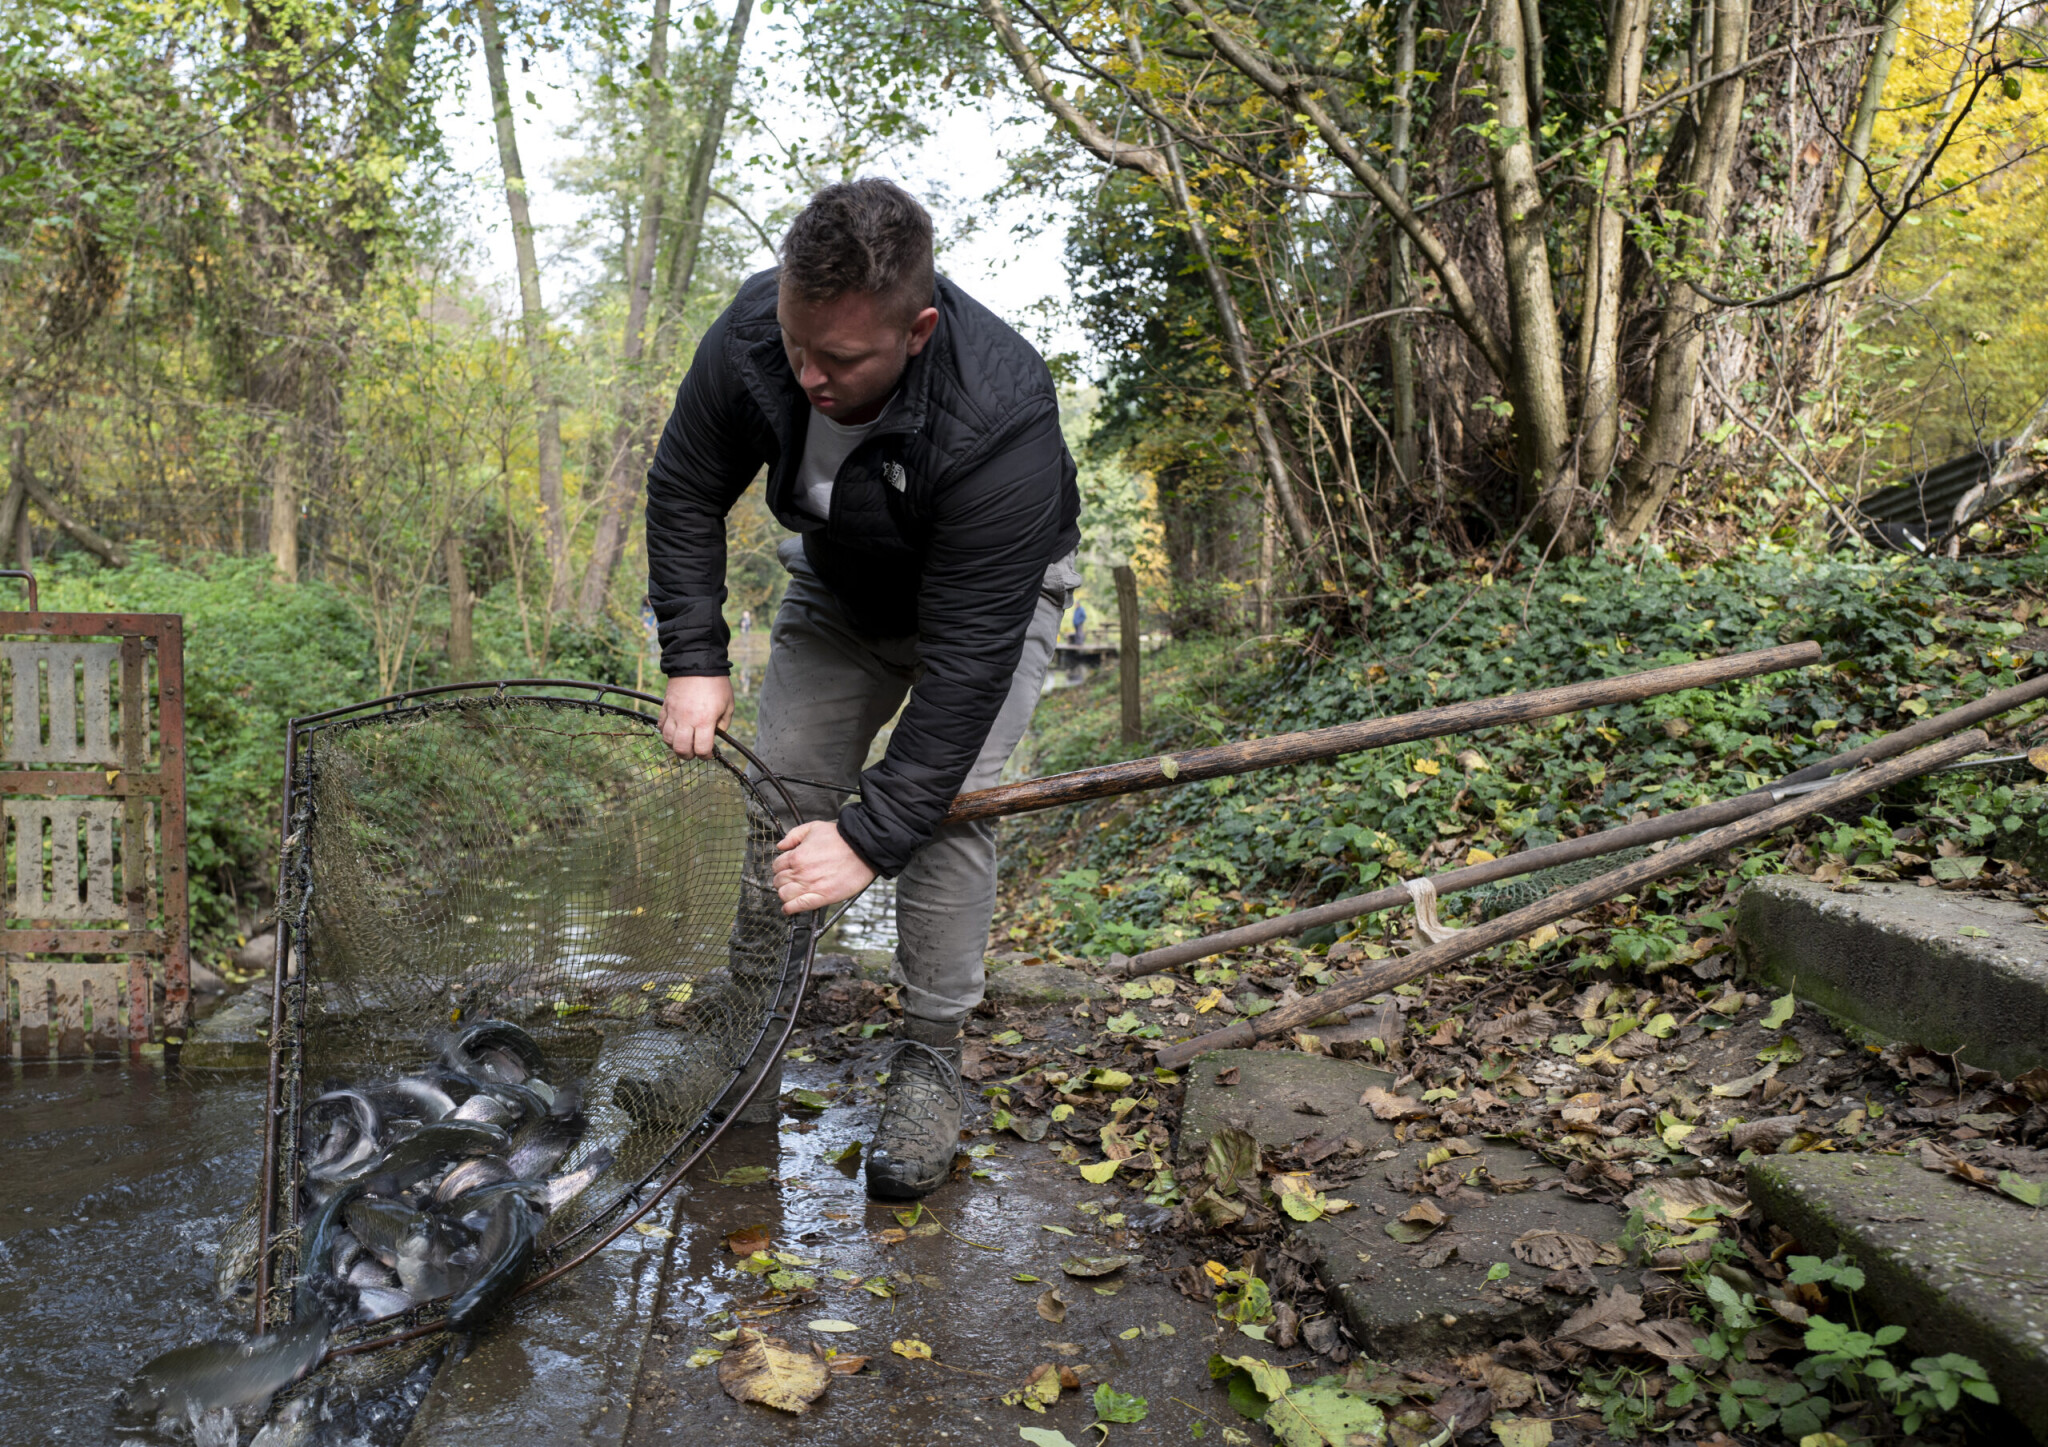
912, 1064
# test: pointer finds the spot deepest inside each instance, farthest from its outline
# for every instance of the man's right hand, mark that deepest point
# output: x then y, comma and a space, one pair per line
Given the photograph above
692, 713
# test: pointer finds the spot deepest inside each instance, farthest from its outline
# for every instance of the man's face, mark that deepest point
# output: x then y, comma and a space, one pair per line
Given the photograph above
849, 353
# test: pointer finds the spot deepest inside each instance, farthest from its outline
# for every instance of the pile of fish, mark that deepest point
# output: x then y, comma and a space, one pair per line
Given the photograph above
434, 1185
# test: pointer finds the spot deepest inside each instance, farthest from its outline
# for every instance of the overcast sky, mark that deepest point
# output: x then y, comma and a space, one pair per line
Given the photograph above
1014, 273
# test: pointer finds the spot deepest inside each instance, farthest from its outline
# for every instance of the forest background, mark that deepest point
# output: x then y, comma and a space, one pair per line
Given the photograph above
1356, 301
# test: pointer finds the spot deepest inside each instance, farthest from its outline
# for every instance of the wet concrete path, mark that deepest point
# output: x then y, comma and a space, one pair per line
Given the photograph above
118, 1187
610, 1361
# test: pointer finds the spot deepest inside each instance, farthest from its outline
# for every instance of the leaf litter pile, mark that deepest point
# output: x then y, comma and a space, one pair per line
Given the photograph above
1689, 1316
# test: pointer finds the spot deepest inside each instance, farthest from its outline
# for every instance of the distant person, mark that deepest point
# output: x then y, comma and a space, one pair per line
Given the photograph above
912, 441
1080, 622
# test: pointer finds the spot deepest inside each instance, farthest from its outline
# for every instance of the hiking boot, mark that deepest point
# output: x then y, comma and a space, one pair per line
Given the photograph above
921, 1109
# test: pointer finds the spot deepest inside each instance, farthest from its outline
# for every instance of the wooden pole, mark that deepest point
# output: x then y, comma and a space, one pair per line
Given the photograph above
1299, 748
1126, 662
1386, 974
1590, 846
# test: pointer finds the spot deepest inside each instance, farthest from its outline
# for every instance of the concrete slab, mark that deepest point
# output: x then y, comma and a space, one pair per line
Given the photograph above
1272, 1086
1955, 973
1019, 984
1395, 1305
1398, 1307
234, 1037
560, 1366
1961, 1269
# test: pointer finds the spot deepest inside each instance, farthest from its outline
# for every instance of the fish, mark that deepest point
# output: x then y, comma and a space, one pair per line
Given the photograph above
436, 1259
497, 1050
373, 1303
428, 1099
507, 1236
427, 1149
486, 1108
209, 1375
540, 1146
563, 1189
480, 1171
368, 1272
318, 1235
381, 1224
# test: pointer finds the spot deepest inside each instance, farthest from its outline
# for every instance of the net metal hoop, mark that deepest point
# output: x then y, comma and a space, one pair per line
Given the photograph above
288, 988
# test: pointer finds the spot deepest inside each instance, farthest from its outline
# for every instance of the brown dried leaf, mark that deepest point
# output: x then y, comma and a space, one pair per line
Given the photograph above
1687, 1201
1052, 1306
1556, 1249
748, 1239
762, 1369
1385, 1105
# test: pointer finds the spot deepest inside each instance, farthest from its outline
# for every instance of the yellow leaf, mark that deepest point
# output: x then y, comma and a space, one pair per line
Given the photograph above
1209, 1001
2038, 757
1473, 762
911, 1348
1099, 1172
766, 1371
1571, 598
1169, 766
648, 1228
1216, 1271
1480, 856
1543, 937
1428, 766
680, 994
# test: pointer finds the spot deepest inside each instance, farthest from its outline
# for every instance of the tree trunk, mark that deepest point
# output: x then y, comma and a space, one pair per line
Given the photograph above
461, 607
1129, 642
284, 506
1681, 340
682, 262
1600, 313
1536, 376
532, 316
1400, 280
622, 482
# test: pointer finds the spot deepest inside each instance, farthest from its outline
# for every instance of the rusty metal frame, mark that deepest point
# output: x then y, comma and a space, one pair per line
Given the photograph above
141, 635
632, 1205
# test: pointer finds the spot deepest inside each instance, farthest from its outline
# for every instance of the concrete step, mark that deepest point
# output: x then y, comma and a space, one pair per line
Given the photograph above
1962, 1269
1401, 1301
1955, 973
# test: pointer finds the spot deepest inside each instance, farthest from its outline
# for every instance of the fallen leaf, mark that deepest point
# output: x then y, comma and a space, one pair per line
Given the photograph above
1099, 1172
1439, 1254
911, 1348
1040, 1390
1736, 1089
1091, 1266
848, 1158
649, 1228
1051, 1305
1688, 1200
762, 1369
1324, 1414
1056, 1230
745, 1176
1417, 1222
831, 1324
1045, 1437
845, 1366
1522, 1431
805, 1099
1232, 1157
1385, 1105
1114, 1406
2026, 1192
705, 1356
749, 1239
1552, 1249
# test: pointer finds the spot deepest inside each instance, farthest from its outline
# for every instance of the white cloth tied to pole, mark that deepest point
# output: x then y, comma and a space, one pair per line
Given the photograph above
1426, 923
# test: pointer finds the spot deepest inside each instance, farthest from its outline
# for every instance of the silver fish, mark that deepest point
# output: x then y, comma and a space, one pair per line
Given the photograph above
370, 1272
483, 1171
432, 1102
434, 1261
484, 1108
566, 1187
375, 1302
226, 1373
540, 1146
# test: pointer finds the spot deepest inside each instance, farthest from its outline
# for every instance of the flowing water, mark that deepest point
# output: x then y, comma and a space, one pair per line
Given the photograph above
119, 1184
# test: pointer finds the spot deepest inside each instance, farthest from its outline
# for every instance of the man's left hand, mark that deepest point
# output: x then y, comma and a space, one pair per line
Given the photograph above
815, 868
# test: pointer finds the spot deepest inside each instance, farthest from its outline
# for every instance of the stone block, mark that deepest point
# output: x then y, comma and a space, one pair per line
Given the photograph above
1962, 1269
1956, 973
1272, 1087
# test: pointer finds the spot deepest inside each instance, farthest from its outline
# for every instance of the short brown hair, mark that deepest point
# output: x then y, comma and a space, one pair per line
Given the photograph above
868, 236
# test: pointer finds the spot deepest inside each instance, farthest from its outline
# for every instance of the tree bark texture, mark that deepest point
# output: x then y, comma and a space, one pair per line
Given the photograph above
682, 264
1136, 775
533, 327
1130, 639
1681, 341
622, 470
1543, 434
1600, 310
1407, 454
461, 607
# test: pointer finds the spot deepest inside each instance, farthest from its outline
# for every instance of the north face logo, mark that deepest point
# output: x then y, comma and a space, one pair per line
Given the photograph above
892, 473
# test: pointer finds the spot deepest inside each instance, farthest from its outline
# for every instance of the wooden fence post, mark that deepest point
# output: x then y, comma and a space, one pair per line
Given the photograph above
1127, 651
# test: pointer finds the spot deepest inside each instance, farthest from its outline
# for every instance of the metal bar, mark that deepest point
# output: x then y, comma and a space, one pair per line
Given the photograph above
1299, 748
125, 784
135, 871
266, 1190
82, 625
82, 941
28, 578
170, 720
1566, 902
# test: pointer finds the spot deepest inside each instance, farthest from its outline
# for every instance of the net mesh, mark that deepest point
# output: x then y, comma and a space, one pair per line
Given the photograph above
545, 861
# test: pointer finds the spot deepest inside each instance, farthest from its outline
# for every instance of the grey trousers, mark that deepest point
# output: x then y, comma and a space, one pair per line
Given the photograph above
827, 692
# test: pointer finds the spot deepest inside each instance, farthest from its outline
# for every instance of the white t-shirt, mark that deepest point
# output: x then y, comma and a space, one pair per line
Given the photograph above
826, 445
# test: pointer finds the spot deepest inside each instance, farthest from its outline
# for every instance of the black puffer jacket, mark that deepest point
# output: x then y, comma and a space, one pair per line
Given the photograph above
943, 522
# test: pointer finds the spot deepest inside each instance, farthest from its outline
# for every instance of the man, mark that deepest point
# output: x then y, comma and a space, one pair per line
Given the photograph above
912, 443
